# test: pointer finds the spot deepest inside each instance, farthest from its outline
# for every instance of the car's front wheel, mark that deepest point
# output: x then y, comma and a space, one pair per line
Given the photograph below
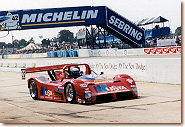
33, 89
70, 93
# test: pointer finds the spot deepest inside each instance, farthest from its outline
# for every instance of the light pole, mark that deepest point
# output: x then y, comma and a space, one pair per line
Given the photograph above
13, 43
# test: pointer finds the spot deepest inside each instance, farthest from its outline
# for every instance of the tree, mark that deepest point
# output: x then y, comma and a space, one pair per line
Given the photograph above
9, 45
65, 35
178, 31
19, 43
2, 44
45, 42
15, 43
31, 41
22, 43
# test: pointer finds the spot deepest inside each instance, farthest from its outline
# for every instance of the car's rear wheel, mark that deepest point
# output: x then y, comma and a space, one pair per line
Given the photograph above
33, 89
70, 93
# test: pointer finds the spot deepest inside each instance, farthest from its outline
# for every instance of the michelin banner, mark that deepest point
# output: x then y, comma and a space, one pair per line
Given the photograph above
73, 16
53, 17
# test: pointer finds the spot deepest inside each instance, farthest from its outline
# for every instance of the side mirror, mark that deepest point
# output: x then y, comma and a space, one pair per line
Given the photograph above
101, 73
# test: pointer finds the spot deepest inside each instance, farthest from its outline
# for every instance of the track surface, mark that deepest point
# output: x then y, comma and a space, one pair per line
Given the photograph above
158, 103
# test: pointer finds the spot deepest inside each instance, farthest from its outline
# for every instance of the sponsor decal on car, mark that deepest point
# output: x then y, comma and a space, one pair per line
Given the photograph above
61, 87
58, 95
45, 92
103, 88
117, 88
100, 80
48, 93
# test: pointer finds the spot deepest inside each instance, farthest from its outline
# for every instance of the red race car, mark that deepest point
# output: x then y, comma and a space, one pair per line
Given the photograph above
78, 83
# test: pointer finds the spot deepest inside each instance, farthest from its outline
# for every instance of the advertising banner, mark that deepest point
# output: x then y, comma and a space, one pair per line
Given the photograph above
126, 28
52, 17
73, 16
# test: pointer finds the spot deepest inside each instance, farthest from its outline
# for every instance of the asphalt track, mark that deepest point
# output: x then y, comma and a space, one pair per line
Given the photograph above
158, 103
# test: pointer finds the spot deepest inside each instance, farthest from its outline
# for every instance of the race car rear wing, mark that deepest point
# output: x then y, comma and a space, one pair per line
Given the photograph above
40, 69
50, 68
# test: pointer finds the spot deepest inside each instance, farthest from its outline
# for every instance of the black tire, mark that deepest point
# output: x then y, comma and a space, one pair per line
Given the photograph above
70, 93
33, 89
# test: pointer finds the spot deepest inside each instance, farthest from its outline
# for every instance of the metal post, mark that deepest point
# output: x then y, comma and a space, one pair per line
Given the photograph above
86, 36
13, 43
91, 40
99, 37
104, 39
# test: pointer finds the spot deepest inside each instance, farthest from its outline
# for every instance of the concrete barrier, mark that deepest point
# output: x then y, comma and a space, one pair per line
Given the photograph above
128, 52
149, 64
109, 52
63, 53
164, 69
83, 52
39, 55
100, 52
15, 56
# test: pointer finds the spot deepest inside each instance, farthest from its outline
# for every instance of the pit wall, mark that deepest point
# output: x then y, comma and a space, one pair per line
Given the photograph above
128, 52
15, 56
100, 52
163, 65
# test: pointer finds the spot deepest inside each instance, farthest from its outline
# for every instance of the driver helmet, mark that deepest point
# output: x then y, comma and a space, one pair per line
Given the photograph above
75, 72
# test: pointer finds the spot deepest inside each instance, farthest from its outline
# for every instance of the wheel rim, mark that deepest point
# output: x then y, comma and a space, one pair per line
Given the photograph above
33, 89
69, 92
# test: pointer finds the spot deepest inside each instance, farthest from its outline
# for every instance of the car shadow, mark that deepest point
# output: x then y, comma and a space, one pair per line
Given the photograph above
117, 100
105, 100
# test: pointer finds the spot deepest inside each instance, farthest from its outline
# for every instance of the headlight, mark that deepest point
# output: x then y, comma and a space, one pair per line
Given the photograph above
133, 87
88, 95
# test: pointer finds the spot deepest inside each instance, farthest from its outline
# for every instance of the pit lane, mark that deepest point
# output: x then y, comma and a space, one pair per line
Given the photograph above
158, 103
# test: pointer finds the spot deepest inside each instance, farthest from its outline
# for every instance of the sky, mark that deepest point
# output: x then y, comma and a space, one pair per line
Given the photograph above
133, 10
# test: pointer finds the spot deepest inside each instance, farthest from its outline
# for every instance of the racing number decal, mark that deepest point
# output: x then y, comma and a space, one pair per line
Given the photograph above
15, 17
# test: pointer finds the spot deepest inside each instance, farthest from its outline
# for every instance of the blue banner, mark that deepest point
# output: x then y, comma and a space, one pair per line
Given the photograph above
125, 28
53, 17
72, 16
